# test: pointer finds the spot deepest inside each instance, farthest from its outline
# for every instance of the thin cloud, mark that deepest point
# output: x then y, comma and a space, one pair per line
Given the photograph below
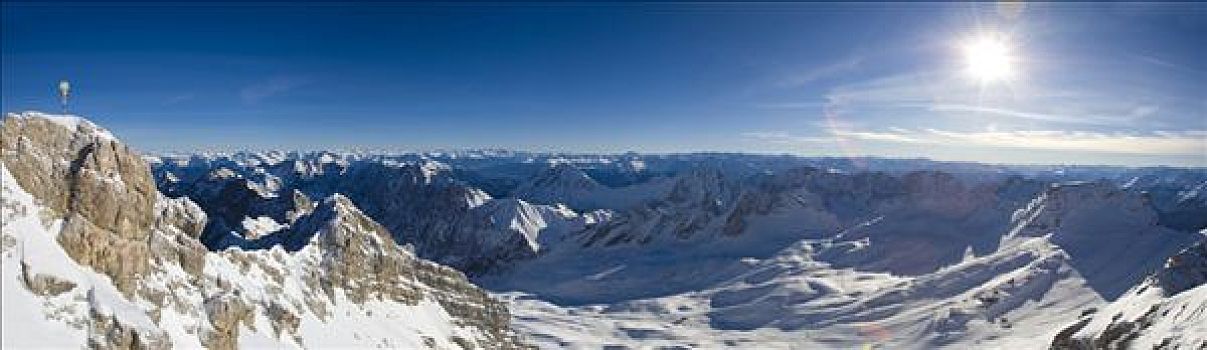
1170, 143
822, 72
257, 92
792, 105
899, 135
899, 89
1116, 104
1165, 64
778, 137
1157, 143
1067, 119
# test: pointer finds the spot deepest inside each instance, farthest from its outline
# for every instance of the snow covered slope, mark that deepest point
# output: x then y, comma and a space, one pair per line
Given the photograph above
1168, 310
1011, 284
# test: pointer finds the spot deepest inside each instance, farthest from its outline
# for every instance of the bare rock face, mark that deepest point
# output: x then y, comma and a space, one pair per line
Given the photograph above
226, 312
180, 213
84, 171
103, 188
121, 259
359, 253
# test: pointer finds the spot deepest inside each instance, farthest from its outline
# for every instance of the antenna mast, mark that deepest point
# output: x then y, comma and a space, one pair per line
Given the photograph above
64, 92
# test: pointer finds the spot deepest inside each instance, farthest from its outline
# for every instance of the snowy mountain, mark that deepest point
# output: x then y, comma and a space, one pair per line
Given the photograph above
561, 183
95, 256
564, 183
725, 250
349, 249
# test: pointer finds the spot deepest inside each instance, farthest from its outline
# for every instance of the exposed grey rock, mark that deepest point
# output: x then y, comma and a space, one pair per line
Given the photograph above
107, 332
226, 312
283, 320
44, 285
108, 252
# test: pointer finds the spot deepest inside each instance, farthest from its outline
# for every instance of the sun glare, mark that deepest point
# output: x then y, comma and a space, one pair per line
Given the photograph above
988, 59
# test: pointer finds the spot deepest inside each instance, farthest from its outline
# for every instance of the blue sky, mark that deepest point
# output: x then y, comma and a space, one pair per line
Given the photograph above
1092, 83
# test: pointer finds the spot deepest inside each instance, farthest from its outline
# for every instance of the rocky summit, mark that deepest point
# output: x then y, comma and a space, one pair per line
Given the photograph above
94, 255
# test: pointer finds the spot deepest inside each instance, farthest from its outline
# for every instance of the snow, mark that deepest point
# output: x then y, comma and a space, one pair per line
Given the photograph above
539, 225
260, 226
792, 302
71, 122
605, 273
37, 251
105, 299
377, 324
30, 320
1073, 248
1182, 319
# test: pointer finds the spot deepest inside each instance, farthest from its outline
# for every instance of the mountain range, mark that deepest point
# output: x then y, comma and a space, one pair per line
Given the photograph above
106, 247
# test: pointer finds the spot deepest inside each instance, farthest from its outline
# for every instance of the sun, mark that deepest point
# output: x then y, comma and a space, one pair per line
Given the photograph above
989, 59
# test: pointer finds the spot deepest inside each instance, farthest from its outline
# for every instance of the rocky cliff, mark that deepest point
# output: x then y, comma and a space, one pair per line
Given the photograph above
101, 188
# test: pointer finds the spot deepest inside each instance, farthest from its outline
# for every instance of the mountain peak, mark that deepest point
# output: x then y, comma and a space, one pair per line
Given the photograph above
1087, 204
567, 173
560, 183
76, 124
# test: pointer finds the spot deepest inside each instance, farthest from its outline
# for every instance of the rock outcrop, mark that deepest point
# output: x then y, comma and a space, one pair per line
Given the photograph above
102, 188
